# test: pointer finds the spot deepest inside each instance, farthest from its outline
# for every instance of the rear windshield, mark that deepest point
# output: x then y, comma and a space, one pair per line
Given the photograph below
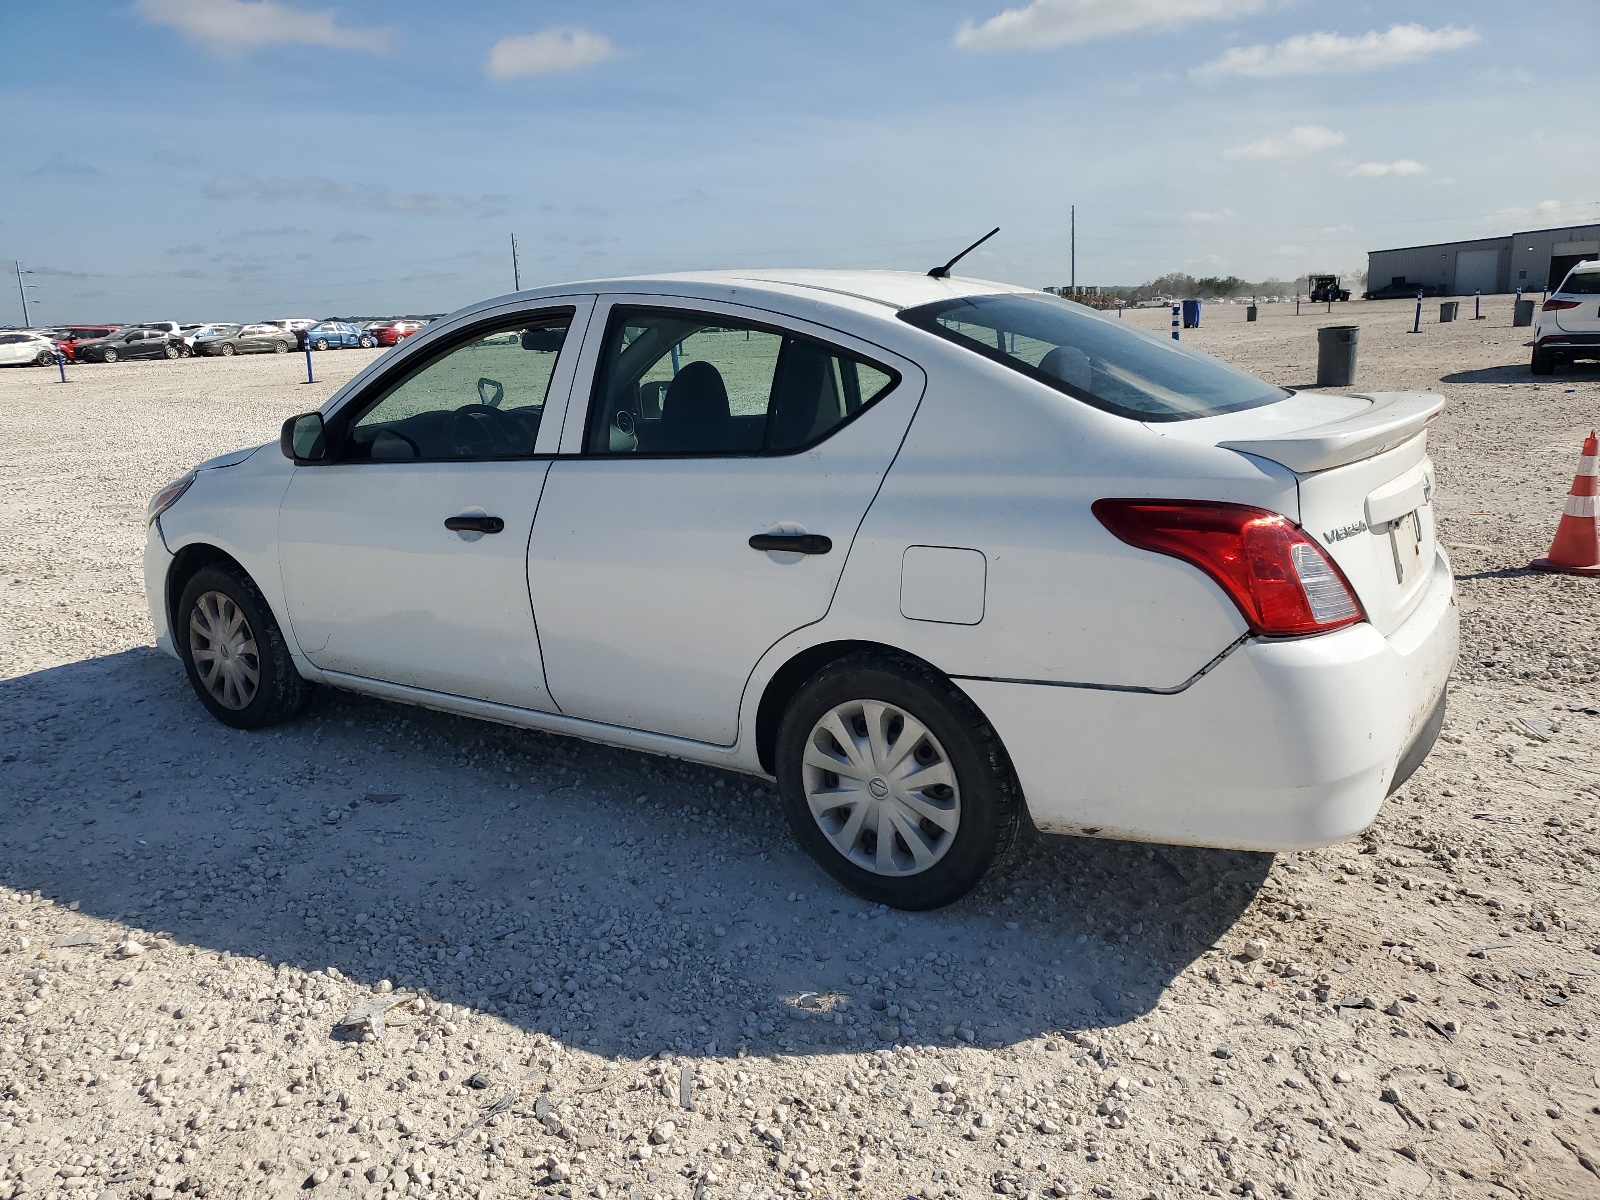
1102, 361
1585, 284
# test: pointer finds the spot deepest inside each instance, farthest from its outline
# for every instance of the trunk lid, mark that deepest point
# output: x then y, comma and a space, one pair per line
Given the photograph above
1365, 483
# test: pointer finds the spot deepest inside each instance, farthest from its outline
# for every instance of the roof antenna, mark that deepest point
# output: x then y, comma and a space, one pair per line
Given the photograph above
944, 271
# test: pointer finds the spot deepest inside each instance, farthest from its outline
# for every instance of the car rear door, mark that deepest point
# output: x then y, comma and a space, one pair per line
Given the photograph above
405, 559
706, 425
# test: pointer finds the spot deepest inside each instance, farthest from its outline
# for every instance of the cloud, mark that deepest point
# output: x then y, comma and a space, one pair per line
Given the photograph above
548, 52
1298, 142
1324, 53
1044, 24
350, 235
368, 196
58, 164
240, 25
1198, 217
1376, 170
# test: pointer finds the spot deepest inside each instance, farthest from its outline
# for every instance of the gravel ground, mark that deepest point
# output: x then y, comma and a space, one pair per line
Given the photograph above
615, 976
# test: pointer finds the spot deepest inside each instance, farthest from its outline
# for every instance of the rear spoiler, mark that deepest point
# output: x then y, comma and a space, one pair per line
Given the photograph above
1393, 419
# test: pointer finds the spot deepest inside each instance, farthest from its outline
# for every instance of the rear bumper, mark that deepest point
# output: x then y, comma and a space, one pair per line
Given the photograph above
1284, 745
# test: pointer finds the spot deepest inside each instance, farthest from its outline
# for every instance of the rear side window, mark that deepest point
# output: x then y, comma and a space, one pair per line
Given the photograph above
680, 382
1585, 284
1102, 361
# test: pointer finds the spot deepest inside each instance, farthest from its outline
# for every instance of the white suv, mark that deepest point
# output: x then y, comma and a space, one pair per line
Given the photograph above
1568, 325
926, 550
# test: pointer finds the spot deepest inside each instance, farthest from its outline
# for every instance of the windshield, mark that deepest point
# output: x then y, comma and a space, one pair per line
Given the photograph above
1100, 360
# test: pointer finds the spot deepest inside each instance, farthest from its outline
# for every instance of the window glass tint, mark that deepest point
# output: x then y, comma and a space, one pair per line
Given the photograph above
1586, 284
1102, 361
481, 399
674, 382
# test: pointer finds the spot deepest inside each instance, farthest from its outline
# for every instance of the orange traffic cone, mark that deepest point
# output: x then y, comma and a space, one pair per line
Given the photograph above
1576, 550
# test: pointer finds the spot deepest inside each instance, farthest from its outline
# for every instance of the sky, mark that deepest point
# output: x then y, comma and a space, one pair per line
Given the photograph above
251, 159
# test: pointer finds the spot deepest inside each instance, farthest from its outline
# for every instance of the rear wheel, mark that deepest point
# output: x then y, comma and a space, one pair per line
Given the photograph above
895, 783
46, 358
234, 653
280, 347
172, 352
1543, 362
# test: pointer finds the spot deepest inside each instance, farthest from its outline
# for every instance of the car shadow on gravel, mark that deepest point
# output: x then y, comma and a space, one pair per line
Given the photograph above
612, 900
1584, 372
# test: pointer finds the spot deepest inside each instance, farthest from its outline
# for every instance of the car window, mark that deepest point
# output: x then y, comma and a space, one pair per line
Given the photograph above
1104, 362
482, 398
678, 382
12, 339
1586, 283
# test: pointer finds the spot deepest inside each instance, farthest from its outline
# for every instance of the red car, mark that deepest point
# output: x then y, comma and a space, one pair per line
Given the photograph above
391, 333
68, 336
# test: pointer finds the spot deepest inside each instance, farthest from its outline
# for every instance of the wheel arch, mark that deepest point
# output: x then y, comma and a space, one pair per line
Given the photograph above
186, 563
788, 679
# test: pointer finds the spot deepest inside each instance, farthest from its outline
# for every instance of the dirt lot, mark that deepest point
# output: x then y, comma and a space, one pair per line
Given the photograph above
629, 963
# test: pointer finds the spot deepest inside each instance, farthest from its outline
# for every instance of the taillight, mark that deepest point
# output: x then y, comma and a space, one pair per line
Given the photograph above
1558, 305
1281, 580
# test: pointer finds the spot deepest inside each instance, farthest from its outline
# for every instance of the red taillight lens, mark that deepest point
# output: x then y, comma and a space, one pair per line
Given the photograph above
1281, 580
1558, 305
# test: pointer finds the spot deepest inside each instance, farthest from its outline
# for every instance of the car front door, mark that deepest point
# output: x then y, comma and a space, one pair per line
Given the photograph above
405, 557
708, 425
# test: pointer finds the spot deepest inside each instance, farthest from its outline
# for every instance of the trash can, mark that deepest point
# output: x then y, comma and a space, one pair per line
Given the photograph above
1336, 355
1250, 313
1191, 314
1524, 313
1448, 310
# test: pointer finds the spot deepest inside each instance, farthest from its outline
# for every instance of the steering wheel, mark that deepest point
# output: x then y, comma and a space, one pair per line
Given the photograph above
479, 429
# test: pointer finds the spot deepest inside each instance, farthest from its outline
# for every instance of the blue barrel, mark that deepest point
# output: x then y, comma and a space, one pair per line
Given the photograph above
1191, 314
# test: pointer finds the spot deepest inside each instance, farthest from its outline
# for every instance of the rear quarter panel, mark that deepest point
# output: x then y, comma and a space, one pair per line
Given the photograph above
1000, 464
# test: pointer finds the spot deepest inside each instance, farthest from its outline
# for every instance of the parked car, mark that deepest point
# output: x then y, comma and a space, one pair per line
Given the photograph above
229, 340
193, 333
23, 348
134, 341
1399, 289
926, 550
67, 337
1567, 326
390, 333
296, 326
338, 335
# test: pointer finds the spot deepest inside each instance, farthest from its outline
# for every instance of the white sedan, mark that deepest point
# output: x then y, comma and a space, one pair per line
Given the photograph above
928, 551
24, 348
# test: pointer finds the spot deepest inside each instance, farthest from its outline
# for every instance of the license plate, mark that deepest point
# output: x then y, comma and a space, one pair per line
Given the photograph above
1405, 540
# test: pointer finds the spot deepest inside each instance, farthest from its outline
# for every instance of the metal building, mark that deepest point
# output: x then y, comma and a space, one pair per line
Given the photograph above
1532, 261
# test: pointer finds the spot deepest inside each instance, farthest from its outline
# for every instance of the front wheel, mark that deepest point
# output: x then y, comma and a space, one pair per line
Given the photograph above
228, 350
367, 343
234, 653
895, 783
1543, 362
109, 356
321, 343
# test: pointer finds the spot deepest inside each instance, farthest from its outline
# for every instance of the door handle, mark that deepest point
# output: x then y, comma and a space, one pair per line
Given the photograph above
474, 524
792, 543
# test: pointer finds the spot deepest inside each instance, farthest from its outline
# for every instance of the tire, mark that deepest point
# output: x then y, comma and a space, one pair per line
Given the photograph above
172, 352
229, 349
109, 356
367, 343
246, 676
320, 343
45, 359
979, 810
280, 347
1542, 363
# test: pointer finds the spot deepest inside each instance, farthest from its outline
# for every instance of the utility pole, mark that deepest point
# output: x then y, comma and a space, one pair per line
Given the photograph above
1074, 249
516, 273
23, 292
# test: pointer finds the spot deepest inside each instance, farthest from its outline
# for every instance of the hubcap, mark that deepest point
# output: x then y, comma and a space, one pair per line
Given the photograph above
881, 788
224, 650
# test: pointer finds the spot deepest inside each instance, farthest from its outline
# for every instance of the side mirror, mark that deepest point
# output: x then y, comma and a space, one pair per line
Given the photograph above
302, 439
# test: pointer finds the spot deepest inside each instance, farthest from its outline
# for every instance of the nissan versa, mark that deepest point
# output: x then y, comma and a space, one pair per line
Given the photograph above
929, 551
